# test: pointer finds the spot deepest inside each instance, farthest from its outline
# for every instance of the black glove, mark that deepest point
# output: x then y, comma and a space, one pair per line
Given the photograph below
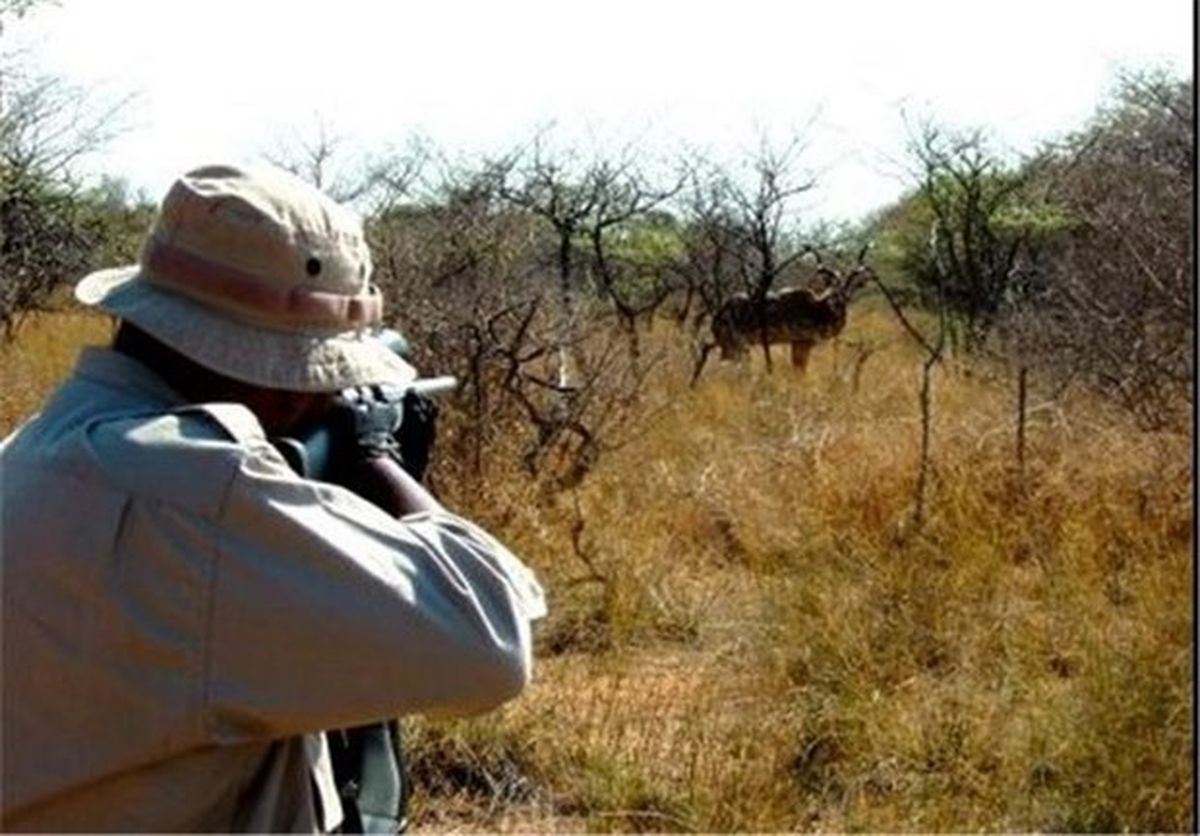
362, 429
418, 429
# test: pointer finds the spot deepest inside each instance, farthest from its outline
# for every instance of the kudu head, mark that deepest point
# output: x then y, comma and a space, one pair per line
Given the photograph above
843, 285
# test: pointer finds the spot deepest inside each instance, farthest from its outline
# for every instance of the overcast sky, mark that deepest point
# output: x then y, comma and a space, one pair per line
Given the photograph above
226, 79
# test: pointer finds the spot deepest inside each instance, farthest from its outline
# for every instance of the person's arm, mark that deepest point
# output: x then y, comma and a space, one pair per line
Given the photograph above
327, 611
383, 481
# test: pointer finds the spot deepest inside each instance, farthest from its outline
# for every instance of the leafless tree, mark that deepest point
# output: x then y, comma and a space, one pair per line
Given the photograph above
743, 232
634, 284
450, 259
562, 193
311, 158
934, 348
707, 268
466, 268
571, 427
372, 181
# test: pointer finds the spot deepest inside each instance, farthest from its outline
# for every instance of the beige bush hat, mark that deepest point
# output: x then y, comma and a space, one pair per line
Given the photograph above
259, 276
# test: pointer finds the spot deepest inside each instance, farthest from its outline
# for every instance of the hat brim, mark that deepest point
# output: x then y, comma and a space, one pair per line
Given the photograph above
302, 362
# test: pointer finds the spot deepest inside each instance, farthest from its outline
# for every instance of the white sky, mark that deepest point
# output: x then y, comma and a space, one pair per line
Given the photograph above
224, 79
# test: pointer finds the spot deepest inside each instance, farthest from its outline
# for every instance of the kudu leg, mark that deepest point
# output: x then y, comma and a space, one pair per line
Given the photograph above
705, 350
800, 352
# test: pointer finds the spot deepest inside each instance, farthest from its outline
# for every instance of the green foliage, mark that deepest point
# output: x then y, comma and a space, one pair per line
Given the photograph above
115, 222
1037, 221
968, 236
41, 242
1080, 258
652, 243
901, 236
51, 233
49, 225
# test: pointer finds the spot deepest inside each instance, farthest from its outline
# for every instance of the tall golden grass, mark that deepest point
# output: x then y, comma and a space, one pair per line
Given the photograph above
41, 356
748, 633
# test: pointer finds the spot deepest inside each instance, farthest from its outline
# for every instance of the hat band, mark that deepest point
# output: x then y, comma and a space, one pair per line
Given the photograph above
230, 288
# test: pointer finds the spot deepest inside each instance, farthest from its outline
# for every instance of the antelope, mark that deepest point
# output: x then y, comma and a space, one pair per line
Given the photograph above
799, 316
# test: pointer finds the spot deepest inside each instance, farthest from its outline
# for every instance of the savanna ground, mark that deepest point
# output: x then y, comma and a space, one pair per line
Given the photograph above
748, 634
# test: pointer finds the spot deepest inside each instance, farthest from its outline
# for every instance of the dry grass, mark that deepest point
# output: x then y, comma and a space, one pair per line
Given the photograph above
776, 649
42, 355
770, 646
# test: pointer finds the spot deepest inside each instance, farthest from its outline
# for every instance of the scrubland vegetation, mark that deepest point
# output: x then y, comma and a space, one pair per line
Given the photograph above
744, 636
943, 580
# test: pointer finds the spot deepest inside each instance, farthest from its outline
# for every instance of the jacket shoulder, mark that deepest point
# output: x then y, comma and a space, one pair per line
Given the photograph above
184, 457
232, 420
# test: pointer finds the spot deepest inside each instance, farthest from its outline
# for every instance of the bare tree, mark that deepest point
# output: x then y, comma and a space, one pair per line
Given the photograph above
934, 348
746, 230
317, 158
452, 258
563, 194
473, 264
634, 283
742, 237
372, 181
706, 266
572, 427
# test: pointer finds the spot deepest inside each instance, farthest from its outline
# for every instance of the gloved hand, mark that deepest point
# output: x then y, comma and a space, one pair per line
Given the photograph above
362, 433
363, 425
418, 429
375, 442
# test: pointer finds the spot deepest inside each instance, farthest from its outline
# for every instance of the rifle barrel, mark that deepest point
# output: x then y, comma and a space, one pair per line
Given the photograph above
434, 385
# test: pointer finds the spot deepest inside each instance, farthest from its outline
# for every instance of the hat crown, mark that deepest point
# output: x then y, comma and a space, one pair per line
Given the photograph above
261, 245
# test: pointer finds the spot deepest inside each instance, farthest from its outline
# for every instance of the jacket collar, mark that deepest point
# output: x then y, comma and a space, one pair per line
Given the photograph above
112, 368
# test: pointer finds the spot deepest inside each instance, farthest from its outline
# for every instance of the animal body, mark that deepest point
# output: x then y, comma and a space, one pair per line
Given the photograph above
798, 316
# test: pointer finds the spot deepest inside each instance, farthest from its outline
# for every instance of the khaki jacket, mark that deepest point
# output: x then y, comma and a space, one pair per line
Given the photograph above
182, 616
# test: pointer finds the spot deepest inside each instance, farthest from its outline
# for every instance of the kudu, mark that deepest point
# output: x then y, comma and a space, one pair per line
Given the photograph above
799, 316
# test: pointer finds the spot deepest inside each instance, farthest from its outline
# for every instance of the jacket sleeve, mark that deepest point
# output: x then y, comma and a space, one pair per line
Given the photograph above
324, 611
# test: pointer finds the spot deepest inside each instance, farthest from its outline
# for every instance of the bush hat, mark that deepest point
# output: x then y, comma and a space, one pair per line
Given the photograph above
259, 276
